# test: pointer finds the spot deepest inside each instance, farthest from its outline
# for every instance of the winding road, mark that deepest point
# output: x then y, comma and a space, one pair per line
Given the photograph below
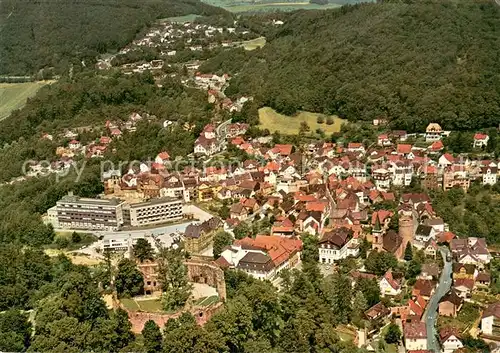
431, 313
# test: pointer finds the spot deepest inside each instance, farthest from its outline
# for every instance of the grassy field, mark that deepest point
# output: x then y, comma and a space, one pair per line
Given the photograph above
247, 6
151, 305
207, 300
13, 95
130, 304
254, 43
290, 125
148, 305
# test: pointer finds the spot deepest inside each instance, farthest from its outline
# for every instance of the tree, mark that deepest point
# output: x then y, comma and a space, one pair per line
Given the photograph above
320, 119
75, 237
370, 289
393, 333
152, 337
359, 305
172, 274
143, 250
408, 252
304, 127
221, 240
413, 269
128, 281
242, 230
329, 120
183, 335
341, 298
234, 323
224, 211
394, 222
122, 328
379, 262
310, 251
15, 331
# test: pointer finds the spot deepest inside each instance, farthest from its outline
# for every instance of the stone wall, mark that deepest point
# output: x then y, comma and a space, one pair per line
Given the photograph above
139, 318
200, 271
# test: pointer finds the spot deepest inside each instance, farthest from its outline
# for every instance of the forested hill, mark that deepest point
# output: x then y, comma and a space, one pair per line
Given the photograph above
36, 34
412, 63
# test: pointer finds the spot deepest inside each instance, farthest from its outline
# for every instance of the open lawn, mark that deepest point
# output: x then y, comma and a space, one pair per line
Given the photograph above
345, 333
269, 7
254, 43
150, 306
290, 125
207, 300
14, 95
146, 305
130, 304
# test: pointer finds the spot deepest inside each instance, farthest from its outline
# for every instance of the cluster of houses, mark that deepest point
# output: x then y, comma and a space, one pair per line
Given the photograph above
170, 38
73, 149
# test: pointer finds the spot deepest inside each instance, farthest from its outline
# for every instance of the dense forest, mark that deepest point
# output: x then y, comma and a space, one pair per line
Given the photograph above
71, 316
410, 62
54, 33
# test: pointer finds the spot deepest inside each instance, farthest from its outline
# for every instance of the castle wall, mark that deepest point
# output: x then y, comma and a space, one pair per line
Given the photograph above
139, 318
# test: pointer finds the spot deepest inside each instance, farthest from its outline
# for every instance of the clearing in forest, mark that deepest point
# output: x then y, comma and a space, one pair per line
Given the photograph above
14, 95
290, 125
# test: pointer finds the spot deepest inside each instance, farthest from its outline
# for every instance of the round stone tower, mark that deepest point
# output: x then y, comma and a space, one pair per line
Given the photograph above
406, 227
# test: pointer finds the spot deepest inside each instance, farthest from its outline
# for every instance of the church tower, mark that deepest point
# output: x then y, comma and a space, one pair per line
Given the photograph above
377, 236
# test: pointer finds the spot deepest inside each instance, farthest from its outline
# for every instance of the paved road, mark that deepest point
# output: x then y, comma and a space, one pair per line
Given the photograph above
430, 315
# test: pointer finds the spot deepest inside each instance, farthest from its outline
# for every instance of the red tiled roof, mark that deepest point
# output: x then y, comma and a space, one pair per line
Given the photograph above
284, 150
278, 248
415, 308
445, 237
480, 136
163, 155
403, 148
390, 279
415, 330
354, 145
382, 215
437, 146
316, 206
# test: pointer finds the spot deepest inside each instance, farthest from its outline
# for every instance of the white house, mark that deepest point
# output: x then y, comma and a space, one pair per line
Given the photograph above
263, 257
402, 173
74, 145
480, 140
382, 178
450, 340
445, 160
415, 334
433, 132
490, 175
388, 285
162, 158
337, 244
490, 320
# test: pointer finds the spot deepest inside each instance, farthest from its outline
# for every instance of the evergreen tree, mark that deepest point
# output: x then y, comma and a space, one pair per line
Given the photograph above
408, 252
143, 250
393, 333
128, 281
221, 240
152, 337
172, 274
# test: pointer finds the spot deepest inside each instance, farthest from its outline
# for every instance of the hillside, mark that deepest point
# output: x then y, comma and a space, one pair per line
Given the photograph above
412, 63
51, 33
